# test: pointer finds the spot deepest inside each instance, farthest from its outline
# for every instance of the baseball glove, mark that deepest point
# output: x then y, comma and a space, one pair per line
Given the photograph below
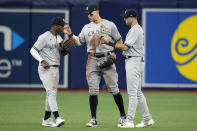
106, 62
65, 46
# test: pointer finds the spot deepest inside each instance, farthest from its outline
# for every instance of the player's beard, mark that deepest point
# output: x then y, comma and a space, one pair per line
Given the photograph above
129, 22
59, 31
93, 20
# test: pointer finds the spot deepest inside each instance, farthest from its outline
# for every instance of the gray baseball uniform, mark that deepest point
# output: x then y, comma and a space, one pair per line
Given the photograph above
134, 65
47, 45
93, 72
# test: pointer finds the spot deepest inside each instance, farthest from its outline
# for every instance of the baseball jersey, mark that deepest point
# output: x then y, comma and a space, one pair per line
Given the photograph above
135, 41
106, 28
47, 46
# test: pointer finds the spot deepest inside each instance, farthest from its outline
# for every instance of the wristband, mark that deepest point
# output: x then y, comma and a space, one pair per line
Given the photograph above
69, 36
111, 44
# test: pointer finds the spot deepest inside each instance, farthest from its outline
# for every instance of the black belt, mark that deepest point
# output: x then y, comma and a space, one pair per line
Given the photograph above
55, 65
98, 55
127, 57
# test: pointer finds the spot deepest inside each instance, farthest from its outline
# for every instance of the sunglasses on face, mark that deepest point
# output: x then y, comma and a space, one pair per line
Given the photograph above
90, 14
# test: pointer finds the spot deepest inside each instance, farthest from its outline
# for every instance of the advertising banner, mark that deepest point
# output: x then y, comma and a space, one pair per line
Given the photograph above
19, 29
171, 47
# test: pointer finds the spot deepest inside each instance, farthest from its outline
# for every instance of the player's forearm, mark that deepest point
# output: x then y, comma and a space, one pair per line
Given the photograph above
76, 40
71, 36
35, 54
120, 46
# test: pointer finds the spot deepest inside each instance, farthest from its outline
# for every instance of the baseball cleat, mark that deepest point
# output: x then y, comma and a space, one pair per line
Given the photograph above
121, 120
144, 123
59, 121
92, 123
48, 122
127, 124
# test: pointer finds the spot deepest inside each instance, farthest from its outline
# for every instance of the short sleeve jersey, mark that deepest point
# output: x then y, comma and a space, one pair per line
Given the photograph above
90, 29
135, 41
48, 47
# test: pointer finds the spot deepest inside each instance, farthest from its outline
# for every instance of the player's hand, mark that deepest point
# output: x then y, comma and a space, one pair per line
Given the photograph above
64, 41
67, 30
45, 64
113, 56
104, 40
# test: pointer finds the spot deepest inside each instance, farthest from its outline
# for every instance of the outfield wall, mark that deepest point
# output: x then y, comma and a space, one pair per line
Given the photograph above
170, 41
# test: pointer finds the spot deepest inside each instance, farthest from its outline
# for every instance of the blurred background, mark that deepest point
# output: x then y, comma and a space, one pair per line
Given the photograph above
170, 39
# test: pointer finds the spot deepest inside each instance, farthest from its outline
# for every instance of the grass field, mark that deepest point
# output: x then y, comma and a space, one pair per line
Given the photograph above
23, 111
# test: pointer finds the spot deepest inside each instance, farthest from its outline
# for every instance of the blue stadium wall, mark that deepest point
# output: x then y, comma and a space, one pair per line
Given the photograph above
171, 45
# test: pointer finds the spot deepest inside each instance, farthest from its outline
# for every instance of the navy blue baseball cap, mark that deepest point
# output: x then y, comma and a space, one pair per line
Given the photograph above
130, 13
58, 21
91, 8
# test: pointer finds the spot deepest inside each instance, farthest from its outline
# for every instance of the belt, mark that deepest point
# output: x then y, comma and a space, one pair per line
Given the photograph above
55, 65
98, 55
127, 57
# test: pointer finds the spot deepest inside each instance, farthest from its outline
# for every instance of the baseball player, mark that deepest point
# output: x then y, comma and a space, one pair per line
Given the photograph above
47, 50
133, 51
96, 67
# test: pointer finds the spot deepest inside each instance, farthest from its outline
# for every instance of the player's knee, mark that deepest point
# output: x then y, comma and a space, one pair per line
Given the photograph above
114, 90
93, 91
132, 92
51, 92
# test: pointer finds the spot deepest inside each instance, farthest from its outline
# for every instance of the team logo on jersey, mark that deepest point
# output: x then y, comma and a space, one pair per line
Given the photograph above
184, 48
12, 40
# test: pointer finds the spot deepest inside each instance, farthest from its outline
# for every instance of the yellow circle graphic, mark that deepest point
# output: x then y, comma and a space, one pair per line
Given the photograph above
184, 48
